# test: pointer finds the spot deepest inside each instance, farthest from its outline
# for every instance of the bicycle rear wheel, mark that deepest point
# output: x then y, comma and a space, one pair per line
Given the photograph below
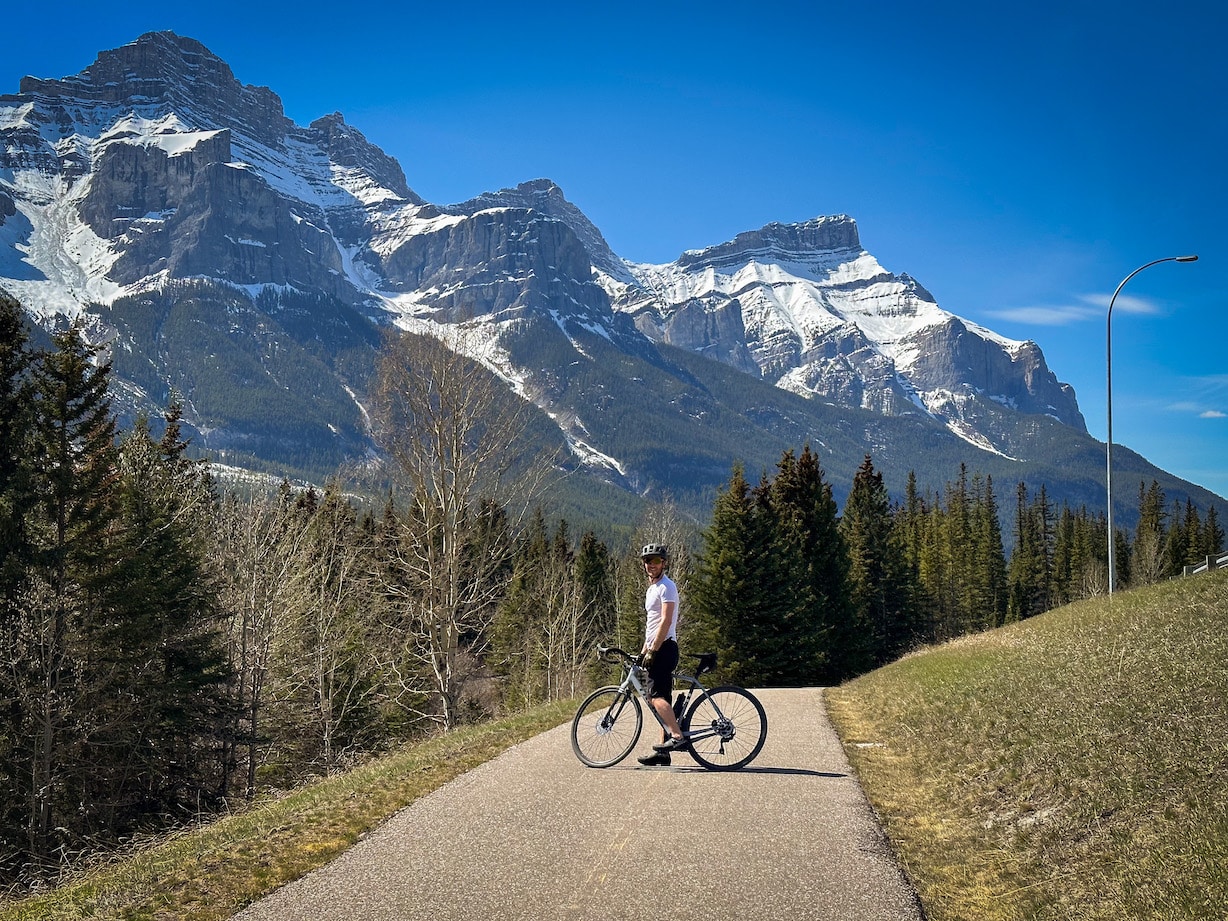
606, 727
731, 725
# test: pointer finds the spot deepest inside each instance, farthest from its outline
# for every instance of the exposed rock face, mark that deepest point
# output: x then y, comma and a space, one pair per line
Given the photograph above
173, 74
196, 213
154, 177
347, 148
952, 358
824, 235
497, 261
711, 326
545, 197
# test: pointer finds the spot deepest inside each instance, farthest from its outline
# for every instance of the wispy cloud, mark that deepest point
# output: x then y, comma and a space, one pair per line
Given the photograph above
1126, 303
1205, 393
1087, 307
1047, 316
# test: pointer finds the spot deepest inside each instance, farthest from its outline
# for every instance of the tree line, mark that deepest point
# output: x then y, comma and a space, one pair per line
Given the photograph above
170, 644
793, 591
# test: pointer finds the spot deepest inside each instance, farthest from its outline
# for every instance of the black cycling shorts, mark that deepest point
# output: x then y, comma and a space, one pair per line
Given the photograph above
661, 670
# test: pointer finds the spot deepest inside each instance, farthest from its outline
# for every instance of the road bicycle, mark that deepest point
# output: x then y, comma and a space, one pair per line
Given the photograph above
724, 726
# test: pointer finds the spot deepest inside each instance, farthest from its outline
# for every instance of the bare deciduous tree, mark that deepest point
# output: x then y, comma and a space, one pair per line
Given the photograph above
259, 546
456, 440
325, 654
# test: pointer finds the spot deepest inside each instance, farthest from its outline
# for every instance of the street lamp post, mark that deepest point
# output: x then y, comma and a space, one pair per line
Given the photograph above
1108, 452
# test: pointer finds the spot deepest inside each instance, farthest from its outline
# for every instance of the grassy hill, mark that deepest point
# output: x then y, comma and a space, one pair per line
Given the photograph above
211, 872
1074, 766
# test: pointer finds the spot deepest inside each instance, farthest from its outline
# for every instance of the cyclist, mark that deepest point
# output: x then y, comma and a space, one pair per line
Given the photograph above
660, 652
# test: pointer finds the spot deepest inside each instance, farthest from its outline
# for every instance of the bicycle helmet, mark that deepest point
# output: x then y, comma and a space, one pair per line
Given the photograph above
655, 550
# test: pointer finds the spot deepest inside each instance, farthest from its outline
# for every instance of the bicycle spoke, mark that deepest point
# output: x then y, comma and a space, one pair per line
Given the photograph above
728, 726
606, 727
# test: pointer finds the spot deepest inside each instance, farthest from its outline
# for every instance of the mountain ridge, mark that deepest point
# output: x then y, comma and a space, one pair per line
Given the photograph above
180, 211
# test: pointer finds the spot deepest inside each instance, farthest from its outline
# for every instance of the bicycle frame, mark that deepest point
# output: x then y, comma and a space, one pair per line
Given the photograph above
632, 682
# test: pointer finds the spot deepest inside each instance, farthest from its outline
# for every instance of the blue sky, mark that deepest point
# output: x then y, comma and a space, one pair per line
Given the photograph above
1018, 160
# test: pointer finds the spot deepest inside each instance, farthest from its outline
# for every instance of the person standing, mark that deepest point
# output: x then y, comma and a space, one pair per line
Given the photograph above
660, 652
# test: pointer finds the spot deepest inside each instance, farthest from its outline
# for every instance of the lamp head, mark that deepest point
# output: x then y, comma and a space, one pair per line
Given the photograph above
1187, 258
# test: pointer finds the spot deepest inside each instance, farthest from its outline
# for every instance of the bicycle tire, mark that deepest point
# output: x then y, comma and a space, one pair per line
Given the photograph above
600, 743
740, 721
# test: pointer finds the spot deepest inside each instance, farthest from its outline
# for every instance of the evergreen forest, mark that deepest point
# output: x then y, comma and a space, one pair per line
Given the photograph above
173, 645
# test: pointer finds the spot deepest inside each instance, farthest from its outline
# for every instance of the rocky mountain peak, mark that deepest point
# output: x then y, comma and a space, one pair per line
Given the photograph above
155, 180
836, 234
162, 71
347, 147
545, 197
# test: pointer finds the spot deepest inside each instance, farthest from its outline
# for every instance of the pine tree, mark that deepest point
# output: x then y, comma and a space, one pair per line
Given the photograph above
1212, 534
17, 498
1031, 560
989, 589
1186, 540
957, 540
158, 664
1149, 556
740, 598
1091, 556
74, 453
820, 640
517, 624
911, 521
17, 495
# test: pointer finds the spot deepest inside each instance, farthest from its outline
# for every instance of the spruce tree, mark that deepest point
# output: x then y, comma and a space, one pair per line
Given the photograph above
989, 589
1186, 539
741, 598
1030, 565
593, 568
877, 584
911, 521
1065, 562
518, 622
17, 498
158, 665
1212, 534
826, 641
16, 470
74, 453
1149, 555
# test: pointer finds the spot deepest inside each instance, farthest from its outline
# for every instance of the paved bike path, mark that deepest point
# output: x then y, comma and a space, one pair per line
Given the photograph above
536, 835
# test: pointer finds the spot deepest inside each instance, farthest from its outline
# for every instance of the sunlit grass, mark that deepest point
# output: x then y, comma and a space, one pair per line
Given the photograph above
209, 873
1074, 766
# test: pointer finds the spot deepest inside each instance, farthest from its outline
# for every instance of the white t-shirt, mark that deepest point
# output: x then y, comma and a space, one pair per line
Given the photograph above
658, 593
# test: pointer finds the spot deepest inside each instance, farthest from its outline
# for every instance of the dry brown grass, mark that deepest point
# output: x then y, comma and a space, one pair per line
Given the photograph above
209, 873
1074, 766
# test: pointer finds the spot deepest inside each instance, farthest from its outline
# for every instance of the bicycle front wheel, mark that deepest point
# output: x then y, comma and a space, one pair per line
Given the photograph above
606, 727
729, 726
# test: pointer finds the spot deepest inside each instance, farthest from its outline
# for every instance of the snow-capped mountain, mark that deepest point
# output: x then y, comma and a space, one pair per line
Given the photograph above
806, 307
248, 263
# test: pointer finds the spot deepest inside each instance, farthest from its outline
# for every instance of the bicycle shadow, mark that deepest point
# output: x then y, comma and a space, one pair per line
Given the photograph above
780, 771
800, 772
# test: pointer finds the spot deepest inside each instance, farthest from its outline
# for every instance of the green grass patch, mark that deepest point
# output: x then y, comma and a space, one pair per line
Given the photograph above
209, 873
1073, 766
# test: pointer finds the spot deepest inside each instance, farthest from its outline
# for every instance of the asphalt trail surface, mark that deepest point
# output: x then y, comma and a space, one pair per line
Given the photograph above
536, 835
